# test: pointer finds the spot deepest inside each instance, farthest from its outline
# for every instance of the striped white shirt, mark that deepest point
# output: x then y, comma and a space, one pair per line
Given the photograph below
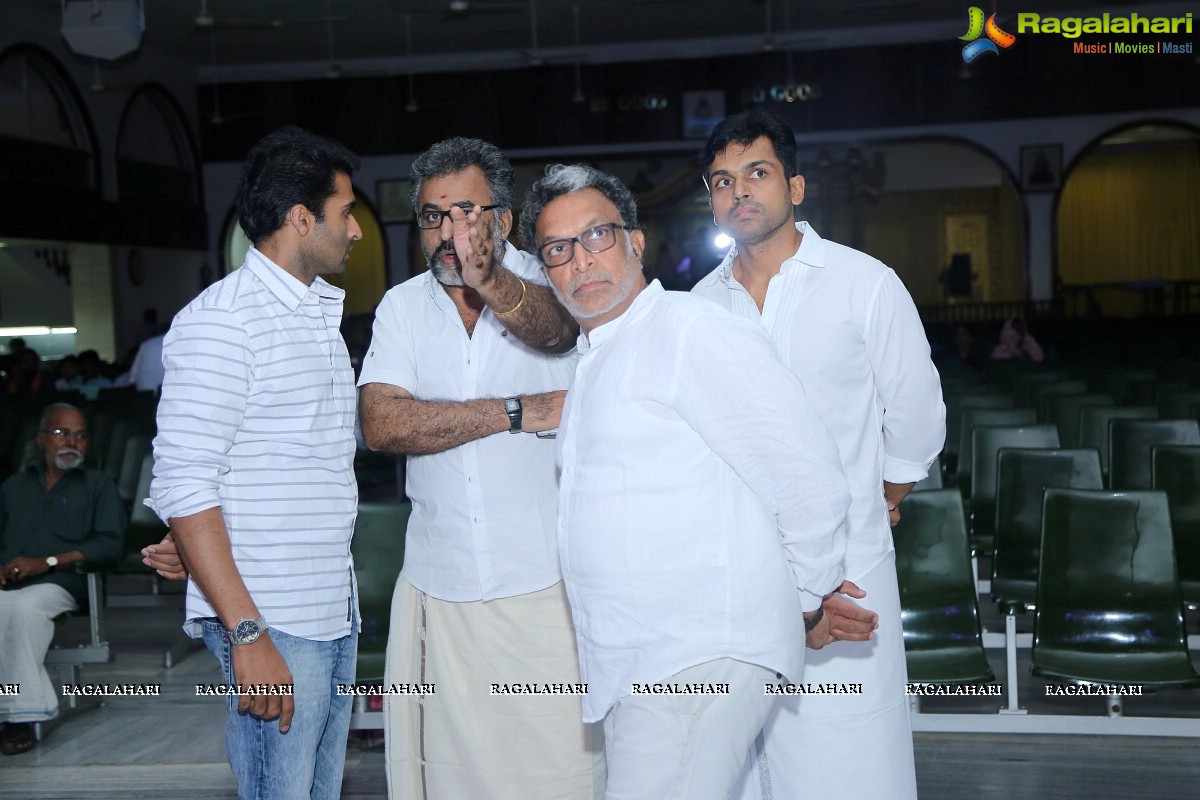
257, 417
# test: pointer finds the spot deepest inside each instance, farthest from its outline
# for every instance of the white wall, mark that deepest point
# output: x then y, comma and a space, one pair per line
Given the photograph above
30, 292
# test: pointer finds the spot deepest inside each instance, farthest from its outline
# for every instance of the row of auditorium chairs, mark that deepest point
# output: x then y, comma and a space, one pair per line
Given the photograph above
1081, 416
1106, 591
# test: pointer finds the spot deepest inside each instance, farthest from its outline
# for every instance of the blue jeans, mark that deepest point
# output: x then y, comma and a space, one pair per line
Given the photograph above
307, 761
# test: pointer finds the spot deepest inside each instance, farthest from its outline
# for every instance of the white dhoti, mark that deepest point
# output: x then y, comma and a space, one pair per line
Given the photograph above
469, 739
686, 746
869, 735
26, 629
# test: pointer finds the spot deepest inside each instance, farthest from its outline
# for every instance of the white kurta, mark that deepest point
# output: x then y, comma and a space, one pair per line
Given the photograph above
701, 504
479, 600
482, 523
845, 325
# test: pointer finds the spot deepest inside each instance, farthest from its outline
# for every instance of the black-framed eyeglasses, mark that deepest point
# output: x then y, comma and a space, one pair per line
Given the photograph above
595, 240
432, 218
66, 433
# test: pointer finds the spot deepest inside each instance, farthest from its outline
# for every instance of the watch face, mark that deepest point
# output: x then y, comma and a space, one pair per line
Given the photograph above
512, 405
247, 631
52, 561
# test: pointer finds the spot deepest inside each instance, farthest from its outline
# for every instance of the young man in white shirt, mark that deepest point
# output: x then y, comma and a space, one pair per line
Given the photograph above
701, 504
846, 326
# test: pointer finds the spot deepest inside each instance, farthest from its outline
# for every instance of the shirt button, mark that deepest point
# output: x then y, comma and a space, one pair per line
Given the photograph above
321, 326
311, 295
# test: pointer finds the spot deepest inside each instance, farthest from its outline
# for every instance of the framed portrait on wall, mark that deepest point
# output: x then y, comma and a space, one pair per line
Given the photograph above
1041, 167
392, 197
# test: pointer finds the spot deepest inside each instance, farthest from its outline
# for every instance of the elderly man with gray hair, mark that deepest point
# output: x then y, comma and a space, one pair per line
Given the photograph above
54, 513
465, 365
701, 504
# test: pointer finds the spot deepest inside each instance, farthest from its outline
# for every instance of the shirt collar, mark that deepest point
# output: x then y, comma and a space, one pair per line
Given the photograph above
811, 252
37, 469
637, 308
287, 288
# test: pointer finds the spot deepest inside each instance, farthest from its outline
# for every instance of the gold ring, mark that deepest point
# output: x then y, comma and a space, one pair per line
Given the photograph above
482, 253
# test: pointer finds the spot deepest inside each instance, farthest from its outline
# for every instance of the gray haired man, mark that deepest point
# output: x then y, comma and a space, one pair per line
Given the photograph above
701, 504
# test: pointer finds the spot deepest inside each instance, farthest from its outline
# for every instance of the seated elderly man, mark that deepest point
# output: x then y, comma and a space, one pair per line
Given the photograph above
56, 512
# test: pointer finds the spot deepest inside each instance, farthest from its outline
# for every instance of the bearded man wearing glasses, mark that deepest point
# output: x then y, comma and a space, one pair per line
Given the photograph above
467, 362
57, 511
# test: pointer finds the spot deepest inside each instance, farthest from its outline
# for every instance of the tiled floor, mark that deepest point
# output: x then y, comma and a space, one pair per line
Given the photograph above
171, 746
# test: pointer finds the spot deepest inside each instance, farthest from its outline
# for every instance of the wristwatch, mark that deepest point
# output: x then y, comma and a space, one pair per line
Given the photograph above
814, 620
247, 631
512, 407
51, 562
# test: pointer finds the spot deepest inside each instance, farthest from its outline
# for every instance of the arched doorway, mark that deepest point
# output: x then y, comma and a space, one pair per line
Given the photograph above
1128, 223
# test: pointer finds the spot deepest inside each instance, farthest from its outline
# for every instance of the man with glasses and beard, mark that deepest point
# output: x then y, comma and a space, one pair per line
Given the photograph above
466, 363
58, 511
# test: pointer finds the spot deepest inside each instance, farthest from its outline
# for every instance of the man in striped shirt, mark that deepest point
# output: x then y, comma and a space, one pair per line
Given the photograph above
254, 470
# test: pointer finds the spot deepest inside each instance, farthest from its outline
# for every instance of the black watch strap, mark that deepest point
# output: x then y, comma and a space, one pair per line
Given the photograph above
814, 620
512, 407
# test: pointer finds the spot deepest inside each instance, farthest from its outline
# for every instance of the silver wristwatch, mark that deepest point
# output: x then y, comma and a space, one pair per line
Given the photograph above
247, 631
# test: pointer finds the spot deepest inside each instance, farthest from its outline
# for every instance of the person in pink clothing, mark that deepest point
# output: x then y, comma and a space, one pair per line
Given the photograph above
1017, 343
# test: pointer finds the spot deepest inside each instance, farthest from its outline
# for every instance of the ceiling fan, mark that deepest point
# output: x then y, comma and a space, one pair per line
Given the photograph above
99, 84
465, 8
534, 56
216, 117
206, 20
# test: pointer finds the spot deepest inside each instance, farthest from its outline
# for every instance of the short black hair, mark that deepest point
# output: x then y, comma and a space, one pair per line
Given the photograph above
743, 128
288, 166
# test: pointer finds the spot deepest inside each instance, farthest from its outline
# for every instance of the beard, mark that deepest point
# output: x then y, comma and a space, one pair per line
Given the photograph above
68, 458
442, 275
453, 277
764, 226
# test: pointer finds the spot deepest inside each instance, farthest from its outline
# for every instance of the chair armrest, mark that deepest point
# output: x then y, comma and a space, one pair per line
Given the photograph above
87, 567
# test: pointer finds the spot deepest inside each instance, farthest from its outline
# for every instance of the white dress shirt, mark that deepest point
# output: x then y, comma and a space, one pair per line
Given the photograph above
257, 417
147, 370
482, 523
846, 326
701, 504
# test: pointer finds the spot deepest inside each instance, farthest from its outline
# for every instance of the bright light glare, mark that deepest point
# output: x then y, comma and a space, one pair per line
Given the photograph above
721, 241
35, 330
